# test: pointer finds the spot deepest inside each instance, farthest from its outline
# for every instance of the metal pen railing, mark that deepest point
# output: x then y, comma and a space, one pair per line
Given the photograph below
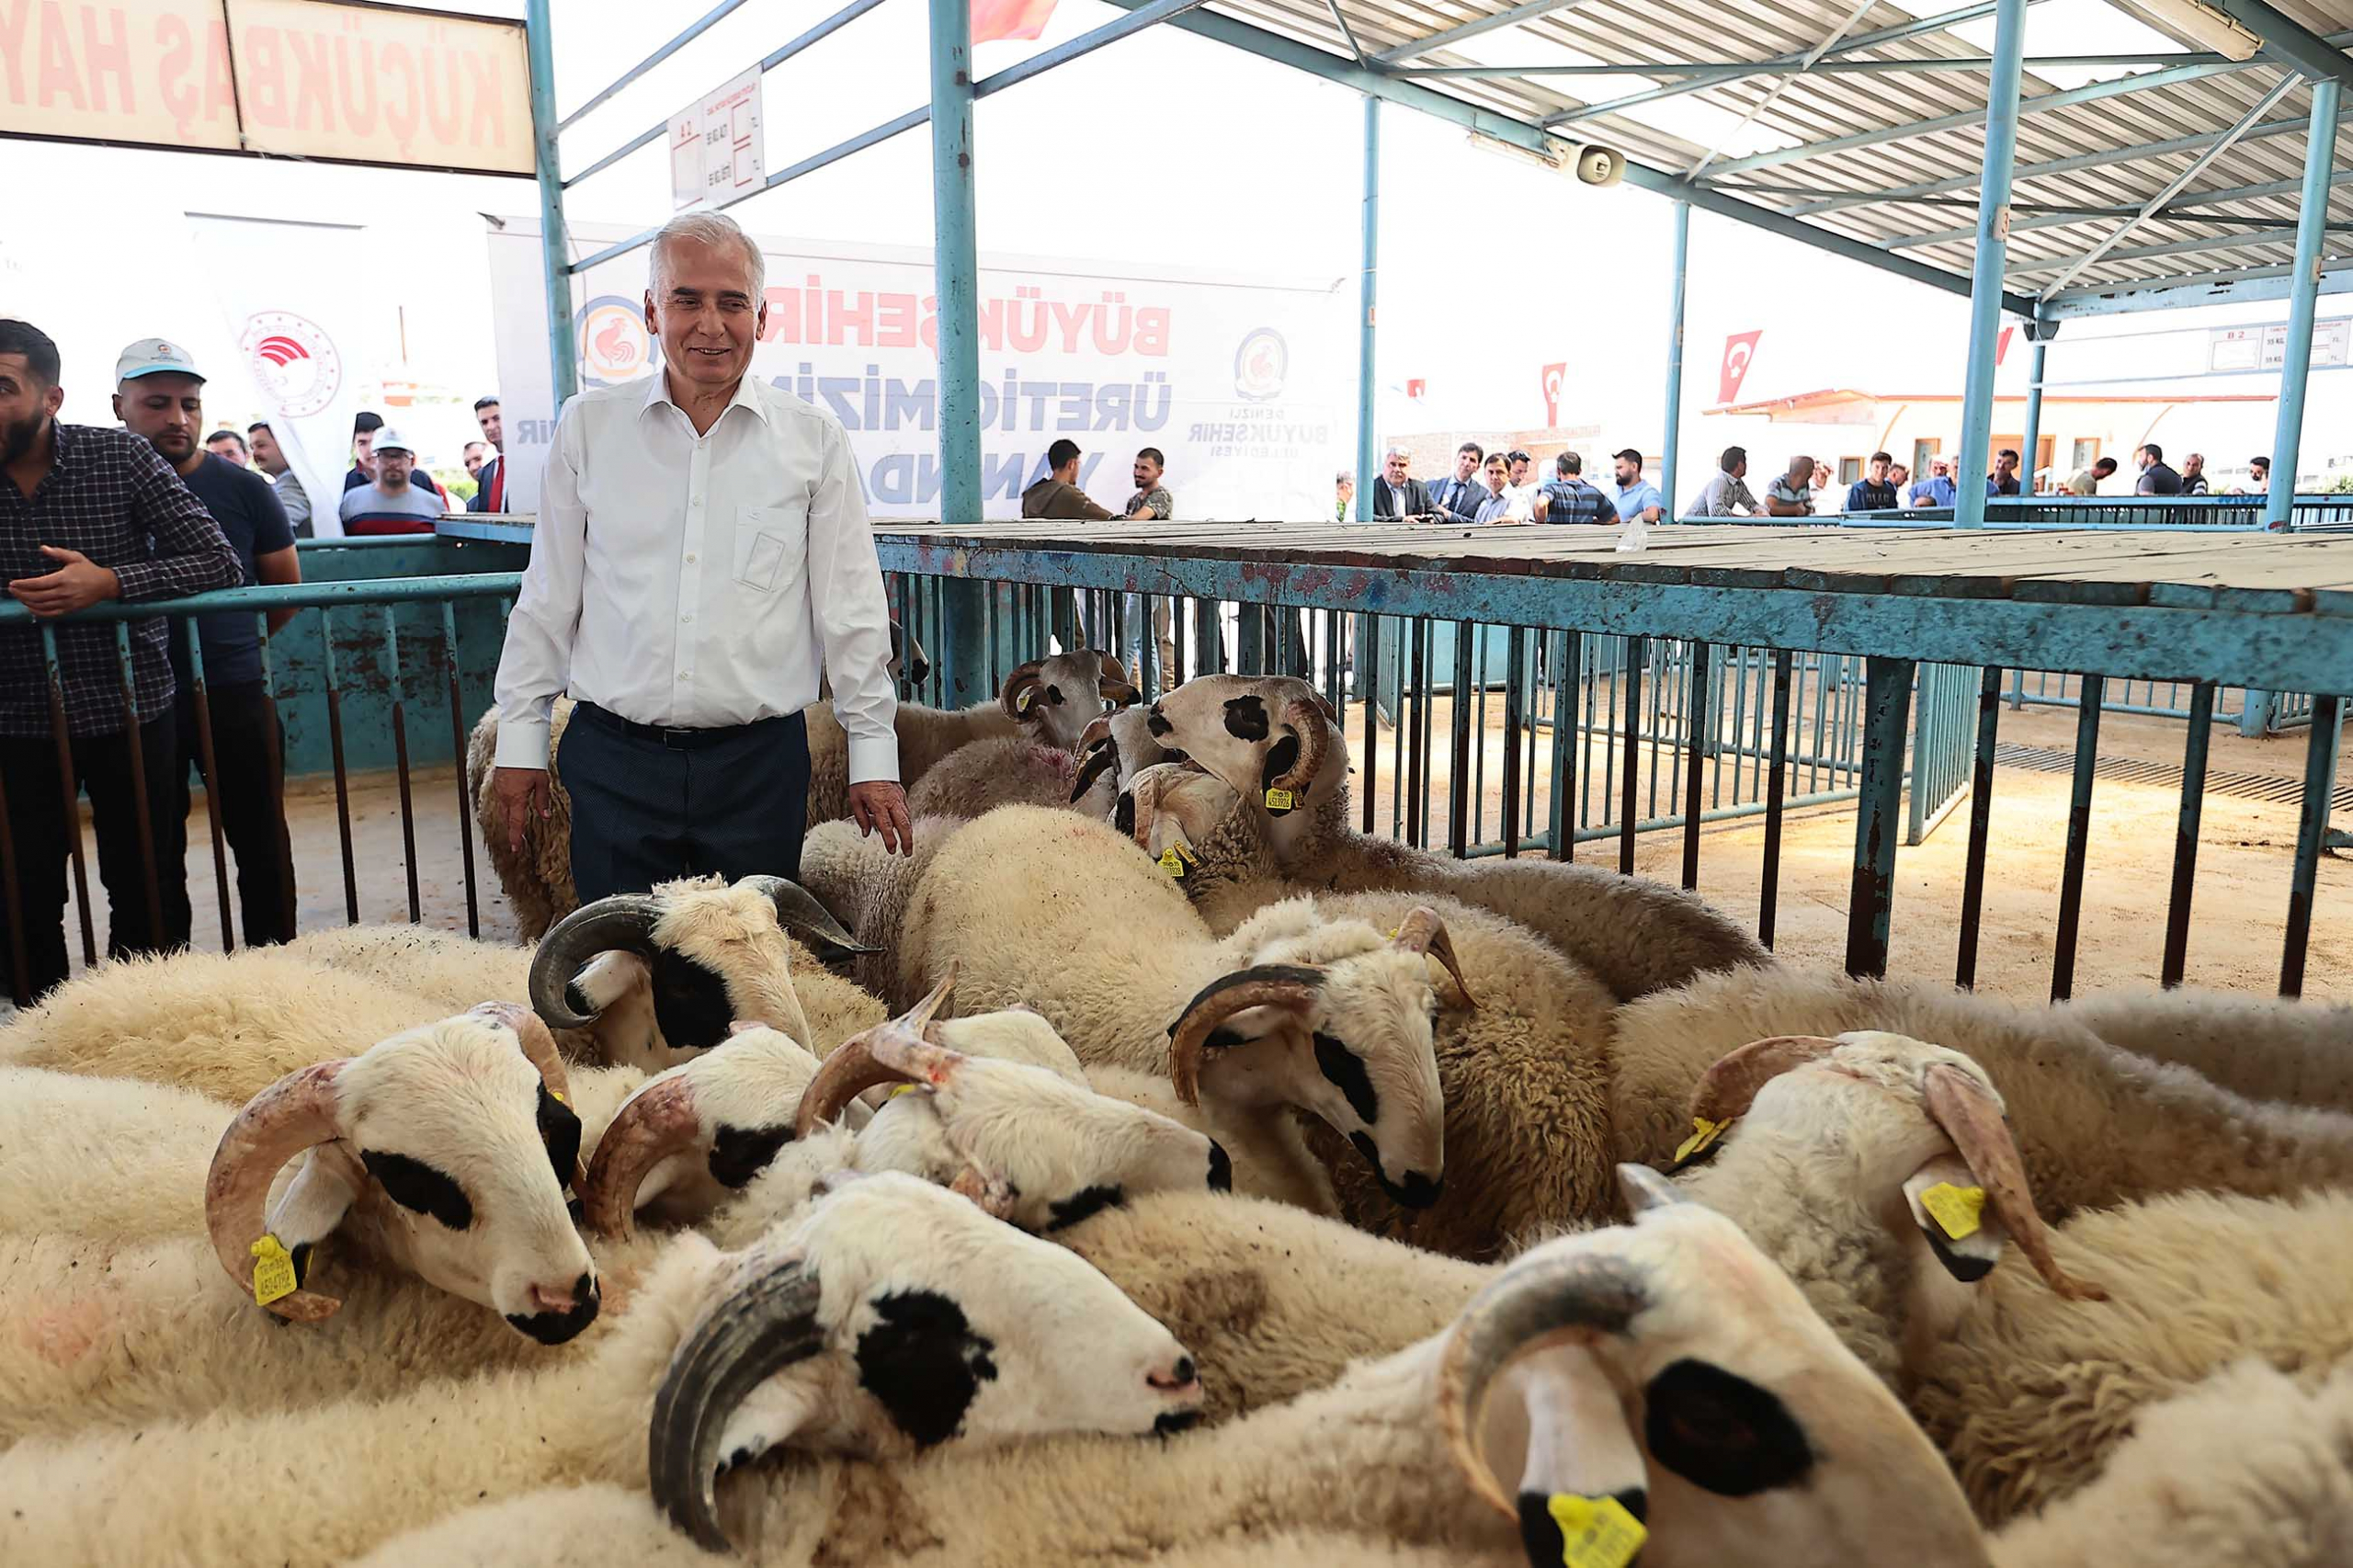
352, 600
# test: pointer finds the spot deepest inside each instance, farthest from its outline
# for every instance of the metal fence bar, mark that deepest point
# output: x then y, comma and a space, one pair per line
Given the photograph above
2311, 827
2079, 832
69, 787
400, 756
1515, 671
458, 750
342, 775
1981, 826
1693, 762
1567, 744
140, 802
1460, 780
1635, 650
1888, 699
200, 699
1770, 893
2185, 841
275, 740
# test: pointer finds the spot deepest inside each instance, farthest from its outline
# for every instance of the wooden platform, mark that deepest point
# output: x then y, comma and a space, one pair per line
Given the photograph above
2248, 572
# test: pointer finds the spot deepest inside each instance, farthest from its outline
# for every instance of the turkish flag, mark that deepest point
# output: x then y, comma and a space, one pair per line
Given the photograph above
993, 19
1553, 376
1739, 349
1417, 387
2001, 344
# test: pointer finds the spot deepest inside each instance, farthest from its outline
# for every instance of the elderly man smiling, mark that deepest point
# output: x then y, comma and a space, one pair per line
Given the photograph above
701, 556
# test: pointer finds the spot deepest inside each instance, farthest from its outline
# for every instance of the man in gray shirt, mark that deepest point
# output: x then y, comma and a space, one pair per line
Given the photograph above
271, 460
1727, 494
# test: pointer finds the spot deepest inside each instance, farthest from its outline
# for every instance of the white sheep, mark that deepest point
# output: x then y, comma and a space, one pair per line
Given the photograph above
1601, 1378
885, 1320
2300, 1053
1027, 1144
1277, 744
2029, 1379
2097, 1126
104, 1157
1106, 949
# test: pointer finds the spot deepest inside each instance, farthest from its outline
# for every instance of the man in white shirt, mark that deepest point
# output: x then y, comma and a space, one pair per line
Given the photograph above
701, 557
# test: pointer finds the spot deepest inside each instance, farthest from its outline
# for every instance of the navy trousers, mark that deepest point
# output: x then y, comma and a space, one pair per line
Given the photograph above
650, 805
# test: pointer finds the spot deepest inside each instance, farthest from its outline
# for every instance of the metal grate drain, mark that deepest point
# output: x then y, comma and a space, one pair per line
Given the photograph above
2268, 786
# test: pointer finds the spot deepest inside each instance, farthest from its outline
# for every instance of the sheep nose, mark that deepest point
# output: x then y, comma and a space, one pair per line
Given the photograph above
1175, 1378
561, 1298
1417, 1190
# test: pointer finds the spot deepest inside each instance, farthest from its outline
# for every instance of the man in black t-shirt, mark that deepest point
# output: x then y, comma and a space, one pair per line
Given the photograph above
165, 404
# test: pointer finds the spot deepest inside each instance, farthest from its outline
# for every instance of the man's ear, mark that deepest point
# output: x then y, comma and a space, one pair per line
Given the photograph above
61, 398
760, 322
652, 326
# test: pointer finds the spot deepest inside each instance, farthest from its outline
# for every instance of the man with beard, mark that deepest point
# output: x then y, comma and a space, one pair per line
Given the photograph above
270, 457
165, 408
89, 515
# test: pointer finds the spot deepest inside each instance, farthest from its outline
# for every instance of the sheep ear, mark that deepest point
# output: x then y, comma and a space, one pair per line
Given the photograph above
771, 1415
1582, 1478
994, 1194
1948, 1203
326, 1182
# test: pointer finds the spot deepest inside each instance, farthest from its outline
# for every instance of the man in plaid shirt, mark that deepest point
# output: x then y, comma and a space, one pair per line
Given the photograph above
89, 515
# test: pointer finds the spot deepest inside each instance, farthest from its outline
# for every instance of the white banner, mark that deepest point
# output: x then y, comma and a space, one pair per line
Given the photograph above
1237, 379
291, 296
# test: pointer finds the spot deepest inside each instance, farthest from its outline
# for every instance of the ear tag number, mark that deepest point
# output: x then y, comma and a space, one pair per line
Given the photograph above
1956, 1209
273, 1271
1595, 1532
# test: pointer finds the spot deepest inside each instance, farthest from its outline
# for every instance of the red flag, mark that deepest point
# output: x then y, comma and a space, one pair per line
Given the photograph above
1417, 387
993, 19
1553, 376
1739, 349
2001, 344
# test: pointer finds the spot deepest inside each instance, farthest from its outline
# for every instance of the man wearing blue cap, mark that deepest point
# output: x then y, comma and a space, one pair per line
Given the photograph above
159, 396
89, 515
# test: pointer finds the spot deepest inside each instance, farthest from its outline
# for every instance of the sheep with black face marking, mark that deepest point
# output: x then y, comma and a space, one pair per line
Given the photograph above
1026, 1142
1110, 954
1054, 701
1844, 1159
1275, 740
2262, 1046
1599, 1380
887, 1319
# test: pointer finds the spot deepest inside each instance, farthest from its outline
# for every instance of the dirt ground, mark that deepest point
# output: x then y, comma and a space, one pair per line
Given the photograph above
2245, 854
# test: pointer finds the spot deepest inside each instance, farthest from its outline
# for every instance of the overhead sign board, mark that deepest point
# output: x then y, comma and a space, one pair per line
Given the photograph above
716, 153
291, 78
2251, 348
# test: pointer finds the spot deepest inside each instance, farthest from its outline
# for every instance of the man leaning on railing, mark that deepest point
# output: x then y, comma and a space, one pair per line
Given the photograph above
89, 515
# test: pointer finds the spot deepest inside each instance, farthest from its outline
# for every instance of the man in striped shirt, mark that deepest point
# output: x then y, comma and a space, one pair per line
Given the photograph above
393, 503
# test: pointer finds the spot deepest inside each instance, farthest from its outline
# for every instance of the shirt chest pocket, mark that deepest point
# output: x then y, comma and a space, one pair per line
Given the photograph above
771, 545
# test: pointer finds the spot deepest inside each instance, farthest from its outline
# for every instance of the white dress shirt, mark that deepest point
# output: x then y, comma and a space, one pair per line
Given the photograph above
696, 582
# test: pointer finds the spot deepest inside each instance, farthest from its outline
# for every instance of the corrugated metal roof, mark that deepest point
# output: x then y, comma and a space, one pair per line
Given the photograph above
1817, 145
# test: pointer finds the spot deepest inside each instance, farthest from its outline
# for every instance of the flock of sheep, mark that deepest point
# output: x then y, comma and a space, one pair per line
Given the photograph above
1153, 1169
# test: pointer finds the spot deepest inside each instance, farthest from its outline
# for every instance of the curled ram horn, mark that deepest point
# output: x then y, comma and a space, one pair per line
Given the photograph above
764, 1323
531, 1032
855, 1067
1115, 685
1294, 986
1306, 718
1971, 1118
658, 1122
1098, 755
1424, 931
1726, 1090
296, 1113
1022, 683
798, 910
1579, 1297
623, 923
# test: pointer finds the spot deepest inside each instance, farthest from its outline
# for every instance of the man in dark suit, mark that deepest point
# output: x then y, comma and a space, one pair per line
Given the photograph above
1393, 494
490, 485
1456, 497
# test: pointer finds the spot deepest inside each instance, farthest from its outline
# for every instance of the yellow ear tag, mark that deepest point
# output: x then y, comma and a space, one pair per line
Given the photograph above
1703, 1133
1955, 1209
274, 1274
1172, 862
557, 1095
1280, 799
902, 1089
1595, 1532
1021, 703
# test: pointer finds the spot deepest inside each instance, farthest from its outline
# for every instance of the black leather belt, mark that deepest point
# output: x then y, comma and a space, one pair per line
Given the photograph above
676, 738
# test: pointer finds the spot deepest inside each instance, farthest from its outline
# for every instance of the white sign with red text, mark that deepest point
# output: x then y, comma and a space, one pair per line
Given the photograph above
1240, 382
716, 150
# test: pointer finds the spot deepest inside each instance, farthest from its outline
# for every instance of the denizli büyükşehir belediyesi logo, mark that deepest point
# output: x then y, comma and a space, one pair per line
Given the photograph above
613, 345
293, 360
1261, 365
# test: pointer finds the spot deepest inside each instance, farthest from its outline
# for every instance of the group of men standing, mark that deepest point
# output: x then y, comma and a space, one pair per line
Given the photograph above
1501, 487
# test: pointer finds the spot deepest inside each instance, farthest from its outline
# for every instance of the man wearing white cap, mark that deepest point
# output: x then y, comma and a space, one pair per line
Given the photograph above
89, 515
392, 502
159, 397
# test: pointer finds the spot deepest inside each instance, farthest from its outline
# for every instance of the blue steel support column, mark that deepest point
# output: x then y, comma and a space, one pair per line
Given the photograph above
956, 280
1367, 387
2295, 370
554, 245
2033, 407
1672, 443
1992, 253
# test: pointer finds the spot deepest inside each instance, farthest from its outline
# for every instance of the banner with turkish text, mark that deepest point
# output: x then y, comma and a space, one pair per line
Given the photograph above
1231, 378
